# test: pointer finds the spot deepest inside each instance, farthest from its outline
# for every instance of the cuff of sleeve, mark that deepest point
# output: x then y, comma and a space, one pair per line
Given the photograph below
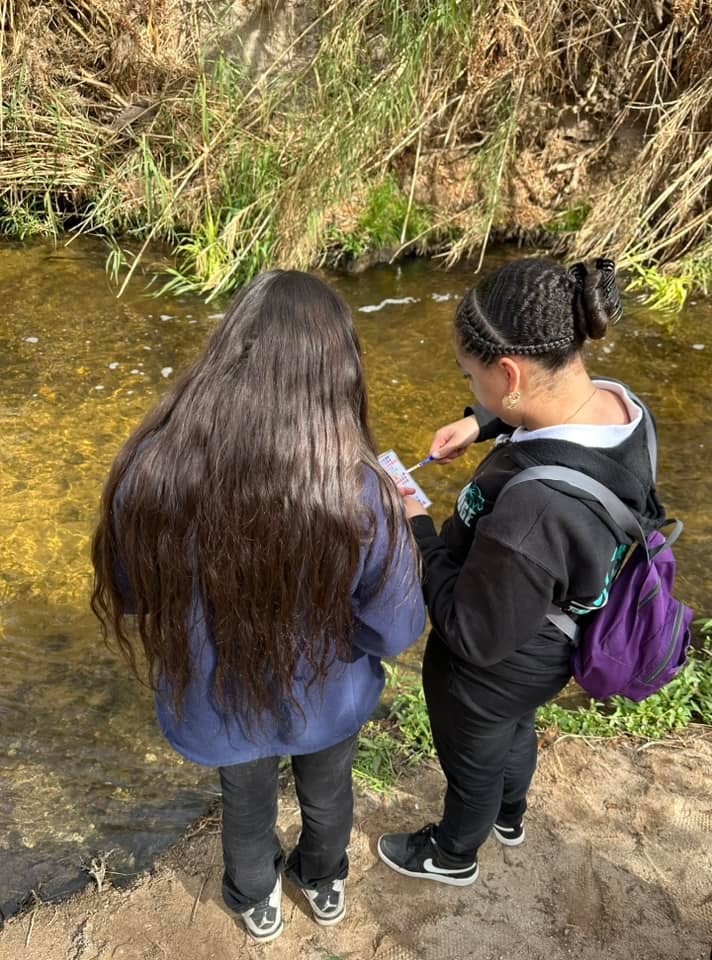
423, 527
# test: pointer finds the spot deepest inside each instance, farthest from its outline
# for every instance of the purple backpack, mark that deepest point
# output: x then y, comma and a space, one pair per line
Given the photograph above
638, 641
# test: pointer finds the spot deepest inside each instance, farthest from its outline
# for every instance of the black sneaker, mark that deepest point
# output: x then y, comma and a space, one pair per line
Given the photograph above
327, 902
418, 855
264, 920
509, 836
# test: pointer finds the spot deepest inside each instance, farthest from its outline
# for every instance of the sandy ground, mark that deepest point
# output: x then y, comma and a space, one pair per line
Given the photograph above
617, 865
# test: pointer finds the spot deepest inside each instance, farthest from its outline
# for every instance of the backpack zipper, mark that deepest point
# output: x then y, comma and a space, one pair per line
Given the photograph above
650, 596
673, 643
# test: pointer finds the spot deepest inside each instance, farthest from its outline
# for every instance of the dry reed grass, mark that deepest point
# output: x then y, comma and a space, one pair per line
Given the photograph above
113, 120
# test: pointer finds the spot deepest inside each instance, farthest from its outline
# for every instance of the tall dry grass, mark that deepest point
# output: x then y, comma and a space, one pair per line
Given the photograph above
473, 118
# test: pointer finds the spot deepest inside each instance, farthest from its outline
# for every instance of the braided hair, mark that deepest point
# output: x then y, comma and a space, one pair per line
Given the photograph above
537, 308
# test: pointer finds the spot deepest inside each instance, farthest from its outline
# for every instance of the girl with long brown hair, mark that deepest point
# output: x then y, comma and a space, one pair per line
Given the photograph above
251, 546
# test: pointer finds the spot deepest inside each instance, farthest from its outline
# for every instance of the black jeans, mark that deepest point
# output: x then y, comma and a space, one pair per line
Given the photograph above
252, 852
483, 729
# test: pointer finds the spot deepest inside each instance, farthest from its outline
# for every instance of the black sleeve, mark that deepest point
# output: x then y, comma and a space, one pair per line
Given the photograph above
490, 426
487, 608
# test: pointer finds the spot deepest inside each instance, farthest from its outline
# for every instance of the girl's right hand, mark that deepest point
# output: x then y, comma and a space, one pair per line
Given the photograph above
452, 440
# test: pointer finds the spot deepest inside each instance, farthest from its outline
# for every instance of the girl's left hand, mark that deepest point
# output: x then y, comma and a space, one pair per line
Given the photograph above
412, 507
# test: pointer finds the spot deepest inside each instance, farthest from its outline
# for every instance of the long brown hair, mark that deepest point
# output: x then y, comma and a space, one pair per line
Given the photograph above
243, 489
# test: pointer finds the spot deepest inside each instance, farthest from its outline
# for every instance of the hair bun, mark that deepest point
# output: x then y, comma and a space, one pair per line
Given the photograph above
596, 300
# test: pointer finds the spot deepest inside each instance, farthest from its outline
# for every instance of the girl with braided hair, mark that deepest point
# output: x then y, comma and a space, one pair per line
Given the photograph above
498, 567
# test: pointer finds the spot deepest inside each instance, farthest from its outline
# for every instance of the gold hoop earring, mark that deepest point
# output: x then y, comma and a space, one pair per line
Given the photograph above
512, 399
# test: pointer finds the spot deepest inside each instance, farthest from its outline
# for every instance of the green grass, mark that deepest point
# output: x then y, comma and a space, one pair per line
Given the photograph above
390, 747
570, 220
410, 713
387, 221
237, 176
381, 758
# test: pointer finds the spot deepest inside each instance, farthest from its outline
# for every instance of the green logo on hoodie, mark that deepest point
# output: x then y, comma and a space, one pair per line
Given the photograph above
470, 503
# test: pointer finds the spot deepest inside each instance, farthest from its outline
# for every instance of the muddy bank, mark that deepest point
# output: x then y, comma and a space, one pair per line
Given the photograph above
617, 864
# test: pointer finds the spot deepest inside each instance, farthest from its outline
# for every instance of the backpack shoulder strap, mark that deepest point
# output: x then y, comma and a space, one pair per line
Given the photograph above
613, 505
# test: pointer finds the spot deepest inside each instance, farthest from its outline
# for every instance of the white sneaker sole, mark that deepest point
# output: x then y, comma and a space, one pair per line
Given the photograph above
267, 937
325, 921
438, 877
506, 841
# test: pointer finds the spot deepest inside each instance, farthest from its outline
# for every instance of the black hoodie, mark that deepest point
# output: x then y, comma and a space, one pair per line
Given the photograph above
495, 569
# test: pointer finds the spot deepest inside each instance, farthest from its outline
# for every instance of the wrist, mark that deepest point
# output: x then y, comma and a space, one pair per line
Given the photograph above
471, 416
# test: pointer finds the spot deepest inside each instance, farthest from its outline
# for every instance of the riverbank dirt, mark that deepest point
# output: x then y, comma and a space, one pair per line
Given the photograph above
617, 864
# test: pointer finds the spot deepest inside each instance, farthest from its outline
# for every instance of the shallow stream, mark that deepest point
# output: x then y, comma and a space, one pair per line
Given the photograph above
83, 767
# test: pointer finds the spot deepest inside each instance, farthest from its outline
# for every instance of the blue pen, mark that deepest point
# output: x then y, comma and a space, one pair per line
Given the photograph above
421, 464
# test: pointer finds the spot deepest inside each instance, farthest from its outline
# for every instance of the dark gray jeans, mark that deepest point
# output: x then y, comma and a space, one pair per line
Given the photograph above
252, 852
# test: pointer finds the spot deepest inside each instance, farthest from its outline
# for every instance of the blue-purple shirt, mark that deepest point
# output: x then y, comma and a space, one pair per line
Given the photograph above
386, 622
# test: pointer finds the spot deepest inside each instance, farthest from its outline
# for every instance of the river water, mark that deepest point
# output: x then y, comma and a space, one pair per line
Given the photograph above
84, 770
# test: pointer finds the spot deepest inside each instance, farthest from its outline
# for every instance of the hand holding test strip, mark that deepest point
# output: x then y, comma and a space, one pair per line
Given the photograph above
395, 469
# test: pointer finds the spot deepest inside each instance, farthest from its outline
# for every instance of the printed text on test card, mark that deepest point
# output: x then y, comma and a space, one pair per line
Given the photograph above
391, 463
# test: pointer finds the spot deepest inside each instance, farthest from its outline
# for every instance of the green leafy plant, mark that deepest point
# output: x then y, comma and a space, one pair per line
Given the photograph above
380, 758
387, 221
663, 292
570, 220
409, 712
389, 747
687, 699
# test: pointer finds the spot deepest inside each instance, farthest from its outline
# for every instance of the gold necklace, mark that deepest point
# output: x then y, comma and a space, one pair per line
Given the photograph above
579, 409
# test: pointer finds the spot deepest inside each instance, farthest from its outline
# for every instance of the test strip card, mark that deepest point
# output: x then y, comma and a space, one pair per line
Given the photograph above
395, 469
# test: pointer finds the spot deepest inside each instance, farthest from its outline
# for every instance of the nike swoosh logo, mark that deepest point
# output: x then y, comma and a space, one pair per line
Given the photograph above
430, 867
